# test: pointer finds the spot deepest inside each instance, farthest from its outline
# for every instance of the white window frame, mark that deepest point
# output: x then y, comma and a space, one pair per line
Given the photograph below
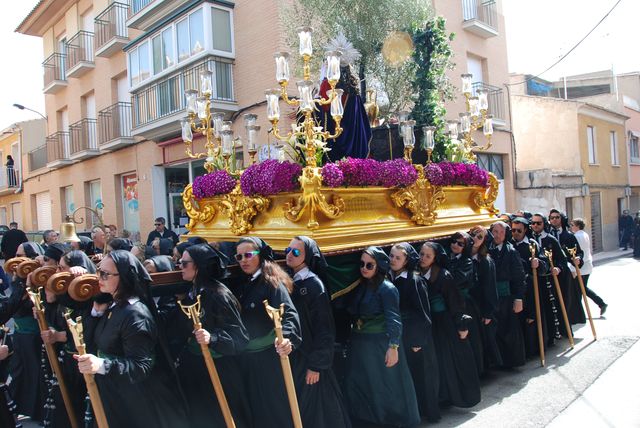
613, 140
634, 149
591, 145
207, 51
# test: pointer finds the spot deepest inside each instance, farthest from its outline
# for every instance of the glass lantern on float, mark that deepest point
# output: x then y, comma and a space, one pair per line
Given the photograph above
201, 120
429, 140
408, 138
305, 103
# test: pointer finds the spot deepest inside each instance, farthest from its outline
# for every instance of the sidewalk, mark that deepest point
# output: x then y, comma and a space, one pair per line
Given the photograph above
606, 256
611, 401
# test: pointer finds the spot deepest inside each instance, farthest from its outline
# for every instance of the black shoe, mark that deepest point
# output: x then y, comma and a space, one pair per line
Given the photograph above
603, 309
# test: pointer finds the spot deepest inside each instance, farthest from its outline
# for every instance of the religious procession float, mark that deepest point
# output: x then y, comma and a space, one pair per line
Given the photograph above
322, 181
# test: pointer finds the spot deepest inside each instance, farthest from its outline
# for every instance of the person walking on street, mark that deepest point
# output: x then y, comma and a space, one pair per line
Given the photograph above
577, 227
11, 240
625, 229
161, 231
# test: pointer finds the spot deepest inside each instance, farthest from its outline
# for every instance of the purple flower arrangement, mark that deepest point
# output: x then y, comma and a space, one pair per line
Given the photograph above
332, 175
215, 183
370, 172
270, 177
455, 173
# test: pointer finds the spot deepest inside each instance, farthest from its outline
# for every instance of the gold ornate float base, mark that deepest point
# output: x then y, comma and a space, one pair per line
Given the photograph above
371, 216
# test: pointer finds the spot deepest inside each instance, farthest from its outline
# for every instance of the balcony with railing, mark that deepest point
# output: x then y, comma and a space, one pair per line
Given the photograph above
114, 127
55, 78
144, 13
158, 107
58, 150
38, 158
495, 99
84, 142
10, 180
80, 54
480, 17
111, 29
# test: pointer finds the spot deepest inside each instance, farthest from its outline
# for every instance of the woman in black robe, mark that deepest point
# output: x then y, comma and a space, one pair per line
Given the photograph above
77, 263
459, 382
263, 380
8, 414
319, 396
378, 384
27, 388
222, 331
460, 266
482, 301
135, 387
417, 337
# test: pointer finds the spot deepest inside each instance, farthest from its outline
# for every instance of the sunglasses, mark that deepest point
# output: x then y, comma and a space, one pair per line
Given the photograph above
367, 265
554, 217
247, 255
294, 251
184, 262
517, 230
105, 275
460, 243
536, 222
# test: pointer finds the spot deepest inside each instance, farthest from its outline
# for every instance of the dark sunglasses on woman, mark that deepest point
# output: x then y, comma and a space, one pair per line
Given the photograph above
294, 251
247, 255
367, 265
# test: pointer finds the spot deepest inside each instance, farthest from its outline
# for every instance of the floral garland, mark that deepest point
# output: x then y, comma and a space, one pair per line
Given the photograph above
456, 173
216, 183
369, 172
272, 177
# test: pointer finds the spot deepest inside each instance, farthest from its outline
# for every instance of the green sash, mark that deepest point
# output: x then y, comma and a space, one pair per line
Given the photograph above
503, 288
437, 304
370, 325
194, 347
261, 343
26, 325
465, 292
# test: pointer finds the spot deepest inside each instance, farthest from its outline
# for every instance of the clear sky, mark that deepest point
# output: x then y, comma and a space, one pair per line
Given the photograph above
21, 73
538, 33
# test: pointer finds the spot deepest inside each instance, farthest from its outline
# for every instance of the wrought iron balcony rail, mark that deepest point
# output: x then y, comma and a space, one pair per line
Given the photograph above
166, 96
111, 23
114, 122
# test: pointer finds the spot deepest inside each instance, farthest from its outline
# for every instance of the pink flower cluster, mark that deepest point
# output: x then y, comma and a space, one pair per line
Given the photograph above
370, 172
215, 183
270, 177
455, 173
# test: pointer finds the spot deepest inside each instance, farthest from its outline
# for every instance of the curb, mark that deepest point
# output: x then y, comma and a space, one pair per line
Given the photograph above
612, 256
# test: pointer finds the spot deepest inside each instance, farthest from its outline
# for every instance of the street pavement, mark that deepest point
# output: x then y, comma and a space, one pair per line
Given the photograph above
592, 386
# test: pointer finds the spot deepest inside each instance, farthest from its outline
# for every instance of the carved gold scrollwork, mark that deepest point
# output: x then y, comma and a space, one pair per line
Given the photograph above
241, 209
421, 198
198, 212
313, 200
487, 197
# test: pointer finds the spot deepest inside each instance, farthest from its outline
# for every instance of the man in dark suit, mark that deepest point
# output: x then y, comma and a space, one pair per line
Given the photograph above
161, 231
11, 240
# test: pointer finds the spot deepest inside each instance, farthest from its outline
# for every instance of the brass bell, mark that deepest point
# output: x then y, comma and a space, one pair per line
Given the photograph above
68, 233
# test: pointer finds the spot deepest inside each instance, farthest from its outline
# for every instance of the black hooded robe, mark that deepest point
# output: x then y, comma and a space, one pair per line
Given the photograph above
321, 404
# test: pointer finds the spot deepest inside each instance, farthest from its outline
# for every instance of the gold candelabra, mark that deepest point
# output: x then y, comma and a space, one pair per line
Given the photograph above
200, 119
475, 117
306, 103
